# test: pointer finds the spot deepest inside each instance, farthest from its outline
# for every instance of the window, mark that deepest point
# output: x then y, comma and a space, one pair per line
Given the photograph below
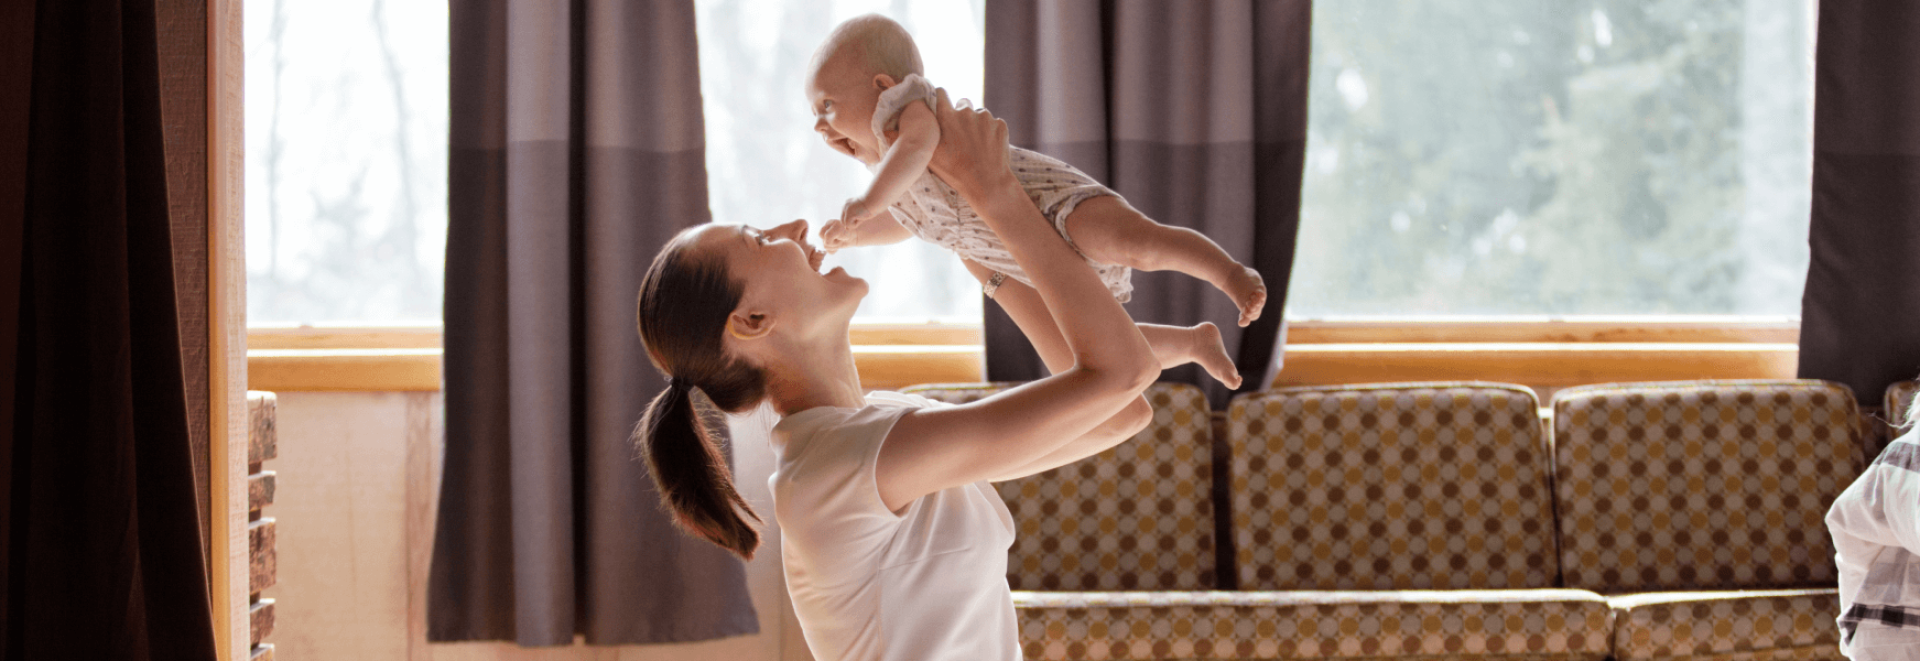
1609, 157
346, 157
766, 166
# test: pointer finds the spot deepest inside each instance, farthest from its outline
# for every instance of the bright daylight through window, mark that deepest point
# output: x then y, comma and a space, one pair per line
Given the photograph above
346, 112
1465, 157
1612, 157
766, 166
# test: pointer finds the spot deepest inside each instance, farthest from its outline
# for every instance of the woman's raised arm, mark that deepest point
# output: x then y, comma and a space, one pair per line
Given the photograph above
934, 449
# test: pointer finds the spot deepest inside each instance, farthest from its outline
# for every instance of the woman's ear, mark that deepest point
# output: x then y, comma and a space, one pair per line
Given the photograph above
883, 81
749, 325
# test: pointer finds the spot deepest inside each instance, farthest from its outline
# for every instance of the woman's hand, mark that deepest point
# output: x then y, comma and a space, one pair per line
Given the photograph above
972, 156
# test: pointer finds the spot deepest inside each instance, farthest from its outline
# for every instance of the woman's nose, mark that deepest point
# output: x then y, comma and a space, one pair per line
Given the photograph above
796, 230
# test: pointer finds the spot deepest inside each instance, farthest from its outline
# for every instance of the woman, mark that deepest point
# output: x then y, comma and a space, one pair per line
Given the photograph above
894, 544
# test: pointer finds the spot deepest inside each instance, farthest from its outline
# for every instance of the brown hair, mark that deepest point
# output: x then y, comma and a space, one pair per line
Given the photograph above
685, 299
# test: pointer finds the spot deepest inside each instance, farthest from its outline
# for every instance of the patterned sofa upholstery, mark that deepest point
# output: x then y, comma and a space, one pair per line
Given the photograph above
1433, 497
1121, 543
1138, 516
1708, 497
1900, 398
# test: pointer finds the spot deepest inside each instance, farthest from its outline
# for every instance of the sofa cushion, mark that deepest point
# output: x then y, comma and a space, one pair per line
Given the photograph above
1699, 485
1138, 516
1761, 624
1391, 486
1900, 397
1487, 624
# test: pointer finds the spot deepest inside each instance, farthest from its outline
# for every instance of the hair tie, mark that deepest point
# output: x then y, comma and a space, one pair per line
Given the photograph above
678, 383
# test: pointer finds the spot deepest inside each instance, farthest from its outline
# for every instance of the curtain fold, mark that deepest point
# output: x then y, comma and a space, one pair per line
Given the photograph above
103, 556
1860, 315
577, 151
1196, 112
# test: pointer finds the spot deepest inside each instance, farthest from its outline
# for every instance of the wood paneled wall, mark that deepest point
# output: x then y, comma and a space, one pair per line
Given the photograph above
359, 477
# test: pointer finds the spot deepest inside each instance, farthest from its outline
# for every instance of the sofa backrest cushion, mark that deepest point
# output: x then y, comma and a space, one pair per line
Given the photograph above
1900, 398
1391, 486
1138, 516
1700, 484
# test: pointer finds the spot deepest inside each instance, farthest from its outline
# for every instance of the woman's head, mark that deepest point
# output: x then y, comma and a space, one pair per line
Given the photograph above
717, 308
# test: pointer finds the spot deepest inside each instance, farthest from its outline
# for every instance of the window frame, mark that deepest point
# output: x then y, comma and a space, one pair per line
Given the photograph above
1543, 353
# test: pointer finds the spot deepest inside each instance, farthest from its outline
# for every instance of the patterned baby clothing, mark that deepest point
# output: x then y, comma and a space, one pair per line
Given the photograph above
933, 211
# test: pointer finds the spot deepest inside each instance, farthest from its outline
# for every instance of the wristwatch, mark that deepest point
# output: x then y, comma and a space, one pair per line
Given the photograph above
993, 283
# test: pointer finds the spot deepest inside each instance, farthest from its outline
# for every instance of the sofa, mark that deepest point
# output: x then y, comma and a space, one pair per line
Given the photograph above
1442, 520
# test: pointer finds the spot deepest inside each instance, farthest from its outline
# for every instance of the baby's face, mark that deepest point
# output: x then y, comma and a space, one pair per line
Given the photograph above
843, 97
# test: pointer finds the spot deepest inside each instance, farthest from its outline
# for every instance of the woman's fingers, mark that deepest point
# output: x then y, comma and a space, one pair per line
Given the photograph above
973, 144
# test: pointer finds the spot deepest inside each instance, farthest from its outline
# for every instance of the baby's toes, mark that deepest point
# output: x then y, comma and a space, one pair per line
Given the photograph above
1255, 300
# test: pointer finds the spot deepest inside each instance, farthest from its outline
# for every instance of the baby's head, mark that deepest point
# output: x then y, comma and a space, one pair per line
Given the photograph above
860, 59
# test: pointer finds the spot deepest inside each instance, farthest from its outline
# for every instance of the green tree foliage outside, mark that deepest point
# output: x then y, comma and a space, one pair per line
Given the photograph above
1560, 158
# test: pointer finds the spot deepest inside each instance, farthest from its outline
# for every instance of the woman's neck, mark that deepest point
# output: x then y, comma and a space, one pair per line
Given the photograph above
814, 376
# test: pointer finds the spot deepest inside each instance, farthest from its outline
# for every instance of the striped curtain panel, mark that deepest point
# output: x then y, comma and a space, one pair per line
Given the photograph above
1860, 317
577, 152
1196, 112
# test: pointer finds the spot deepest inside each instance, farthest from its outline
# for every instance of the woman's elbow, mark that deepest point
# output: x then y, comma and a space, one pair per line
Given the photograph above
1135, 417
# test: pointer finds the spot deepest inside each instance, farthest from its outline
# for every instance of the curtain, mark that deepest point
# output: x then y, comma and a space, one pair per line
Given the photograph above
1196, 113
1860, 315
103, 556
577, 151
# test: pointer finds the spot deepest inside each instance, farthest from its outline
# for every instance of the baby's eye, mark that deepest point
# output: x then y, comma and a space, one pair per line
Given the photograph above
826, 106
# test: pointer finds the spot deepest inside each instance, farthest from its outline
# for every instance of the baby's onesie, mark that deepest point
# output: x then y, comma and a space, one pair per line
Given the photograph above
933, 211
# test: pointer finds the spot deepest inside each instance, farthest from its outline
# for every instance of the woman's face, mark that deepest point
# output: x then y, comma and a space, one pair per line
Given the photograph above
781, 275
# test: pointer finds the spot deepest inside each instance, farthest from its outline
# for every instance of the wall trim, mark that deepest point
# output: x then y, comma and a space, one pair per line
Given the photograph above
1545, 354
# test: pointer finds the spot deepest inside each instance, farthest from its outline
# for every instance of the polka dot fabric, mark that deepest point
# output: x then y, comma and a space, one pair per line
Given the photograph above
1700, 485
1391, 486
1138, 516
1505, 624
1778, 624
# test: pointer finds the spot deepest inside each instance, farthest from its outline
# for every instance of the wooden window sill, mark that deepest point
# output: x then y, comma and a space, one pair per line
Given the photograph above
1543, 354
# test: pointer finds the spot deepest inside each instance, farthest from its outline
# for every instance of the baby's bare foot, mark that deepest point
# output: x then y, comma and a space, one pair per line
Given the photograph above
1249, 293
1211, 354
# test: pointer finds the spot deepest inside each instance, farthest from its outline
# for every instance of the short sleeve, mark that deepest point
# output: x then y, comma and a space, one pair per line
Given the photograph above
826, 495
886, 111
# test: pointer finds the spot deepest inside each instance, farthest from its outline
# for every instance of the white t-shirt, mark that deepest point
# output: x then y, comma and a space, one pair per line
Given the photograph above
871, 585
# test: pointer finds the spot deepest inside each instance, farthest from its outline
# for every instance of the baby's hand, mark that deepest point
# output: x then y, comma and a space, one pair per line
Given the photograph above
857, 210
836, 234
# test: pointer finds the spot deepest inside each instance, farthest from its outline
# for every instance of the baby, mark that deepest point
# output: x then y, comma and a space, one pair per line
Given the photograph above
871, 103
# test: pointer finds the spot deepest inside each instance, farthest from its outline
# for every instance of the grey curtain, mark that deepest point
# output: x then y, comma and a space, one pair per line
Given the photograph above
1860, 315
1195, 111
577, 151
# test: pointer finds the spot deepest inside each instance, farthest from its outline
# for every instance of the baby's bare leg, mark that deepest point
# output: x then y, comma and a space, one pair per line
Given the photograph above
1175, 346
1107, 229
1172, 345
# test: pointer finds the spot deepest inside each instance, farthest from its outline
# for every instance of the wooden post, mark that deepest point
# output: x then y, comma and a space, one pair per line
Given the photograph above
227, 325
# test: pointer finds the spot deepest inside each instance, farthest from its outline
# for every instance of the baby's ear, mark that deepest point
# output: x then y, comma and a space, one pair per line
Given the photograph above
883, 81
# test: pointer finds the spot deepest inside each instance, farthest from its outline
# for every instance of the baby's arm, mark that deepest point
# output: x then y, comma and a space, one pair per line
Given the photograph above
880, 230
906, 159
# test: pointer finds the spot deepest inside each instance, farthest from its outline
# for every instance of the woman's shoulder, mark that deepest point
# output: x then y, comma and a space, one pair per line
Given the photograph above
798, 429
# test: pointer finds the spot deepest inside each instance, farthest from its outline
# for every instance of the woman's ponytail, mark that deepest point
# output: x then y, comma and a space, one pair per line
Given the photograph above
691, 473
685, 299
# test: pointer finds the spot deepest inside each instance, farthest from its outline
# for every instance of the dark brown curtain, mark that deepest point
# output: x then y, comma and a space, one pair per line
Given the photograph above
1196, 112
103, 556
577, 151
1860, 316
